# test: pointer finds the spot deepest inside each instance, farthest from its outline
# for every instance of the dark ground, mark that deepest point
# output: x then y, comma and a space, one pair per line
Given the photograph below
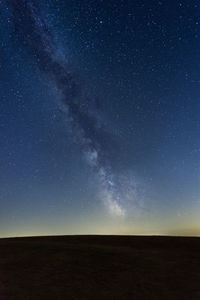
100, 267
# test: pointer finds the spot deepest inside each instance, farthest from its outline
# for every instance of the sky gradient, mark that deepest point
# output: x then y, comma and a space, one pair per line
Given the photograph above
99, 117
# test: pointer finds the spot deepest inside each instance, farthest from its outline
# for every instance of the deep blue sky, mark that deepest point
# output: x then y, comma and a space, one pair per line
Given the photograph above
99, 117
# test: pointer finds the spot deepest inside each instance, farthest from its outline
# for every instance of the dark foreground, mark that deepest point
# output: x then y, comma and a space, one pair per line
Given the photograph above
100, 267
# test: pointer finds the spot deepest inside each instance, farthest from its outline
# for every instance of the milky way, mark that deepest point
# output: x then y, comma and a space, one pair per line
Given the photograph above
38, 39
99, 116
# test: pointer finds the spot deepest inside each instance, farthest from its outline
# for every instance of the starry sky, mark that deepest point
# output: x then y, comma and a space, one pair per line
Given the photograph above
99, 117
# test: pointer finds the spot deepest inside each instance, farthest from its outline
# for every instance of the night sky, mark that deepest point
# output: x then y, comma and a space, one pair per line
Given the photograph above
99, 117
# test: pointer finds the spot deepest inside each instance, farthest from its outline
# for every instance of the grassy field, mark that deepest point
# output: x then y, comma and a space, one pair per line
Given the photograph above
100, 267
